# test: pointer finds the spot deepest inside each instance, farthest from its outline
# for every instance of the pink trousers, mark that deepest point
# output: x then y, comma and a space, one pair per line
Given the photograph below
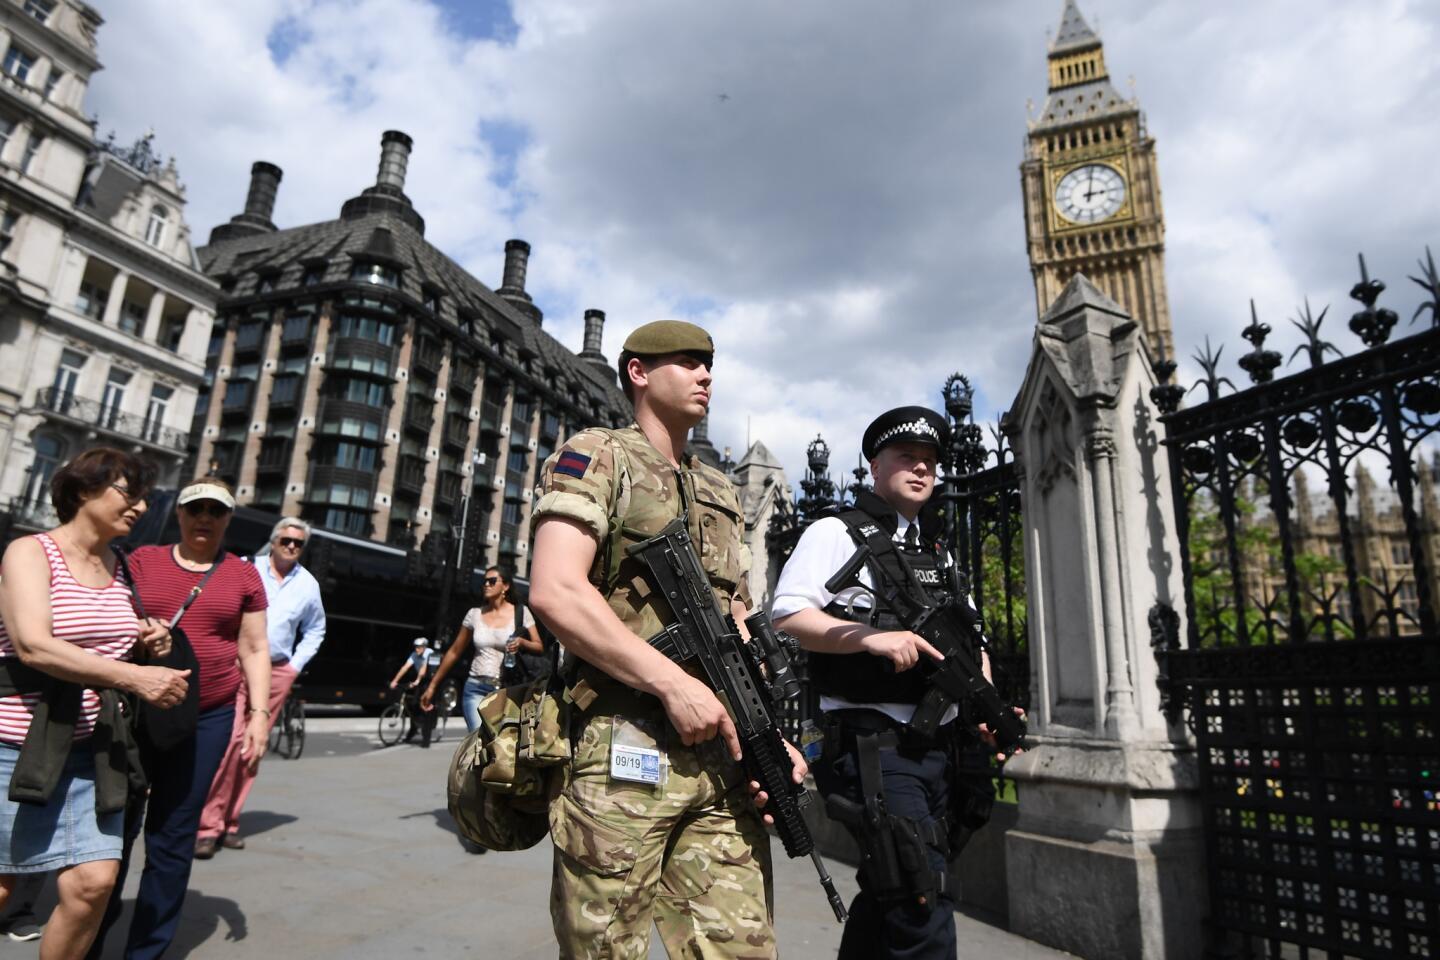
233, 780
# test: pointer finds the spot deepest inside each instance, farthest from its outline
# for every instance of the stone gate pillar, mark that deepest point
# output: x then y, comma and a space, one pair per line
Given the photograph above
1107, 858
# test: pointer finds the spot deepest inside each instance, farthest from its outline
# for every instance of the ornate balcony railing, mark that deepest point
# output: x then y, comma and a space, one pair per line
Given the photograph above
104, 418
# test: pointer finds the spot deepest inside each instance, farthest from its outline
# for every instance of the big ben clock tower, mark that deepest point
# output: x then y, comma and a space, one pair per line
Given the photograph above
1092, 191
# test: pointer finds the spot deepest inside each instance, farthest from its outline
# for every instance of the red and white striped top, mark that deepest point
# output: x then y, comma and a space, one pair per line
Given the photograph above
100, 620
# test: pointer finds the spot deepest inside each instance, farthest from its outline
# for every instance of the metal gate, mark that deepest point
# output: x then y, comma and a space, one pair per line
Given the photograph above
1308, 519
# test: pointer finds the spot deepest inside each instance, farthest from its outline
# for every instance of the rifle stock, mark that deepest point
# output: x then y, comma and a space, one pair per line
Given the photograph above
703, 632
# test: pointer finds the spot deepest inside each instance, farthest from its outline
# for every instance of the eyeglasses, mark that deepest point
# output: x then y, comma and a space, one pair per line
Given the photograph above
130, 500
296, 542
491, 581
210, 508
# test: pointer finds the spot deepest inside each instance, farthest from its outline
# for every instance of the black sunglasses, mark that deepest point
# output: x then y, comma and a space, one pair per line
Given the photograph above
290, 541
130, 500
491, 581
210, 508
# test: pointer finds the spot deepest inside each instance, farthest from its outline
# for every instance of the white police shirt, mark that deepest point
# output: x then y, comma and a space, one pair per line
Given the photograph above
825, 547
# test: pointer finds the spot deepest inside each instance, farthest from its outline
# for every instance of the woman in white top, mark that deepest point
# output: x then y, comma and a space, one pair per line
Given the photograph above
490, 628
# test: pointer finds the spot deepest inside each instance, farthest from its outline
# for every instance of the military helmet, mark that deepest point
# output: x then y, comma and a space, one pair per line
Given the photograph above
505, 772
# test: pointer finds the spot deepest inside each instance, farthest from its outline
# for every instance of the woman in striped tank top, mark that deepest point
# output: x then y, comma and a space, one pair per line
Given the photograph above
66, 615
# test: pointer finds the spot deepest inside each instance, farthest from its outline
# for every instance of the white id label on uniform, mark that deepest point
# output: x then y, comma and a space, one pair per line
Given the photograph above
636, 764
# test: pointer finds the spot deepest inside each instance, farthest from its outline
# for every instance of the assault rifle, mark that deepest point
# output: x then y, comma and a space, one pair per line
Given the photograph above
749, 677
950, 625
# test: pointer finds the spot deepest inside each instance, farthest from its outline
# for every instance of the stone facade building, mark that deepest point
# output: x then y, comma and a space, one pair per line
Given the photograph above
365, 381
104, 313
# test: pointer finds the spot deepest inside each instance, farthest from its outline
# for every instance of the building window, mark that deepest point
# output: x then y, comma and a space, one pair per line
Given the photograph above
114, 397
296, 329
155, 230
351, 427
48, 454
432, 302
40, 9
91, 300
52, 81
1400, 554
359, 391
314, 273
155, 413
248, 336
352, 456
171, 331
511, 513
7, 128
71, 363
367, 328
285, 391
375, 273
266, 283
31, 149
132, 318
18, 63
346, 521
237, 394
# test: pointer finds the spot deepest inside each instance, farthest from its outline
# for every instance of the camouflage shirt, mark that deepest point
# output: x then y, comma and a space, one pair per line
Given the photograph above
624, 490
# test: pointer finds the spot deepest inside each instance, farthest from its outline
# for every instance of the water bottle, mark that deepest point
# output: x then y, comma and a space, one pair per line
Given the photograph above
812, 741
509, 662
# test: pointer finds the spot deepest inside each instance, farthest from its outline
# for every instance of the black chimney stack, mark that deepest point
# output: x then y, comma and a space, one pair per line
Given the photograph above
259, 205
512, 282
388, 193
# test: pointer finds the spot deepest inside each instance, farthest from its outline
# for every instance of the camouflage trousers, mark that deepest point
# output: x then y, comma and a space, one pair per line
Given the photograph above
691, 855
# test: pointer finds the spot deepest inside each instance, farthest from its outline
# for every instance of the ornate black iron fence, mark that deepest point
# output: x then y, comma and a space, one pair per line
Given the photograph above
985, 535
1310, 667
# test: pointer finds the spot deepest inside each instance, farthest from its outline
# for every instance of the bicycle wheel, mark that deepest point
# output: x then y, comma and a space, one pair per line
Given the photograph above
449, 697
294, 721
393, 722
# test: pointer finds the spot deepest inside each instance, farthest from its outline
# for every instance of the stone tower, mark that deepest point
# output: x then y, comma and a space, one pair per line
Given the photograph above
1092, 189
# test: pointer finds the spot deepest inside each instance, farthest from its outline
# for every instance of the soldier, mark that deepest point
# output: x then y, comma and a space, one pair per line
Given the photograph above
654, 821
891, 787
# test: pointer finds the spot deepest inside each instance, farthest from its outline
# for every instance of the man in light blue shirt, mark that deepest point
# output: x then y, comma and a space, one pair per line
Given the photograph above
295, 608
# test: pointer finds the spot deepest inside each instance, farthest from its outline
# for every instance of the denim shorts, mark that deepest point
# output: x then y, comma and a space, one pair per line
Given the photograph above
64, 832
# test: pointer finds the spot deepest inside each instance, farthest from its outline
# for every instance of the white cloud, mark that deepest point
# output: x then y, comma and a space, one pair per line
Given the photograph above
846, 218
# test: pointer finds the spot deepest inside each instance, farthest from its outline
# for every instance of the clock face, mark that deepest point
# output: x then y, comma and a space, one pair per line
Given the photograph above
1090, 193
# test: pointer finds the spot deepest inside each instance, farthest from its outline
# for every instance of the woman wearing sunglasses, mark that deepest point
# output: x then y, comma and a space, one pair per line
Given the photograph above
491, 630
67, 616
225, 624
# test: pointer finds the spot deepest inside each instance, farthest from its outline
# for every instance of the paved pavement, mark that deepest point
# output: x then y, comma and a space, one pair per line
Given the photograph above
351, 853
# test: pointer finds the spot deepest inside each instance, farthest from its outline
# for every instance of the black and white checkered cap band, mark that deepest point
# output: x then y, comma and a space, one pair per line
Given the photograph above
919, 426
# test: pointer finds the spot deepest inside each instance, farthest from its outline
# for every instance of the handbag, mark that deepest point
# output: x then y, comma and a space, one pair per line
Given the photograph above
163, 729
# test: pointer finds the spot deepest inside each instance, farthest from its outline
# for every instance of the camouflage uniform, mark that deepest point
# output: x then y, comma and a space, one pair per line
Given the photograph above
691, 855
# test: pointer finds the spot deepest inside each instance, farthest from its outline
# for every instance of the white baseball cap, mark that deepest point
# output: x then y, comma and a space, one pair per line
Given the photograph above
206, 491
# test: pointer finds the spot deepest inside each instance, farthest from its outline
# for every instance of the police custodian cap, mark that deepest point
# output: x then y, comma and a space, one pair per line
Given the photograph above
668, 336
905, 424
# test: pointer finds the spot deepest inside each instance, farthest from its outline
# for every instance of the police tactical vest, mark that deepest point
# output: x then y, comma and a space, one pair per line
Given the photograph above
859, 678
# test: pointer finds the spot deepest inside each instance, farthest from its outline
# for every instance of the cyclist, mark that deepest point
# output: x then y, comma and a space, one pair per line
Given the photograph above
421, 659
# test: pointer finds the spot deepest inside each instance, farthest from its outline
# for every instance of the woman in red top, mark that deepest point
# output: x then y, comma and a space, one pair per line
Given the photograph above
67, 614
226, 626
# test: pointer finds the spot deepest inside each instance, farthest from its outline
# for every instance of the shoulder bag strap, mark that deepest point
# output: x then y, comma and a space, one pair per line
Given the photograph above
123, 565
195, 590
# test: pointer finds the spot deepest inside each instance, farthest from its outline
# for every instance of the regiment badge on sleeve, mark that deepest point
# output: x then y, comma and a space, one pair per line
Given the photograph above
572, 464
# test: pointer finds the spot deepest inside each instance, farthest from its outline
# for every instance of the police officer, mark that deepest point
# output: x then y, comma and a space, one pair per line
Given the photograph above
891, 787
654, 821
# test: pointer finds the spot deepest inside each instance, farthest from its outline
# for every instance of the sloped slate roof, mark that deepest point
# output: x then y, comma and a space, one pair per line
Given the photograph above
336, 245
1088, 101
1075, 33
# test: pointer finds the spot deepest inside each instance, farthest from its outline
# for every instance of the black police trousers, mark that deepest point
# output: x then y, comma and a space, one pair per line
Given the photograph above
915, 777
